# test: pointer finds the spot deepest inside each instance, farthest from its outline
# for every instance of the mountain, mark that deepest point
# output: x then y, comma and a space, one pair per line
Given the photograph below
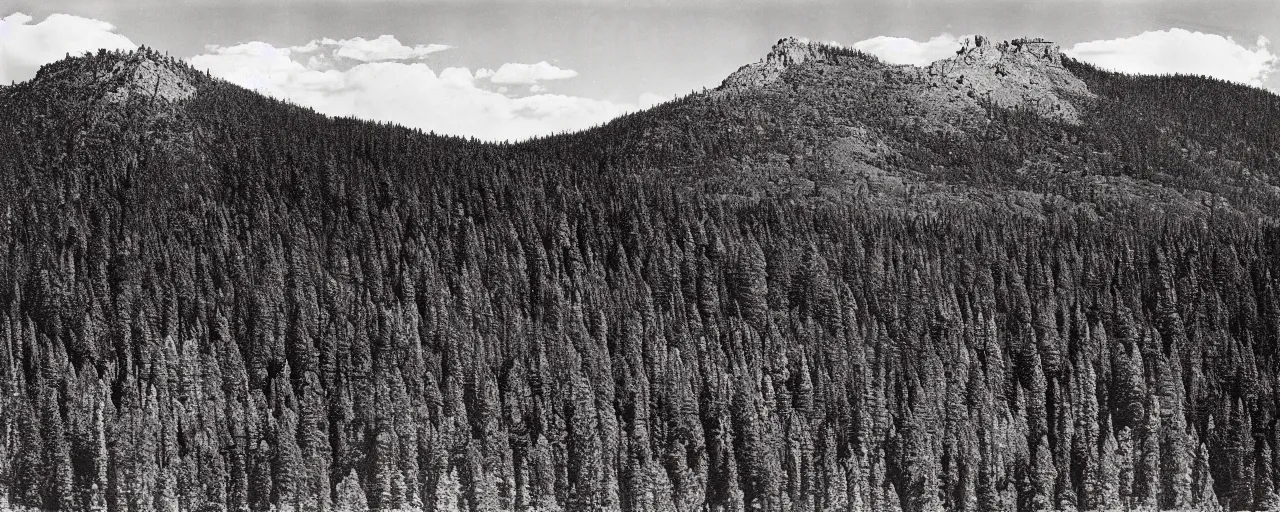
1005, 281
998, 123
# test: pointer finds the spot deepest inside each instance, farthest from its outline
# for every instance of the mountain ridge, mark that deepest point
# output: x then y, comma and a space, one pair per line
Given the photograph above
868, 129
843, 288
940, 132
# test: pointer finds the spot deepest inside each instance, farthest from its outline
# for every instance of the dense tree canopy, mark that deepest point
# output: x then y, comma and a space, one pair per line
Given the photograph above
230, 303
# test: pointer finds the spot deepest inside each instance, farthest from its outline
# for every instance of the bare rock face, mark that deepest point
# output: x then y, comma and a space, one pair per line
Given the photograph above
140, 93
1020, 73
786, 53
150, 78
121, 76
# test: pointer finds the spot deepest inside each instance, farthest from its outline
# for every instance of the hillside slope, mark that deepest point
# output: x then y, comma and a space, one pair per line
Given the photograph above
1005, 281
1012, 125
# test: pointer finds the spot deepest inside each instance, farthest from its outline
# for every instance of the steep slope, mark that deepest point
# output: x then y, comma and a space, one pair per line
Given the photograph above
830, 284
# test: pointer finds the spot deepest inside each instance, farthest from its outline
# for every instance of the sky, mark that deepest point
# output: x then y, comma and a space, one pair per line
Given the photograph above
507, 70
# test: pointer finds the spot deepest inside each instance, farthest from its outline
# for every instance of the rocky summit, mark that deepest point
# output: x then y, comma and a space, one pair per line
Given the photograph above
1024, 73
1013, 124
118, 77
788, 52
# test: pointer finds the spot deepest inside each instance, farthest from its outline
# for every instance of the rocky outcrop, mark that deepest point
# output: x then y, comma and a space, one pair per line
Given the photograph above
788, 52
154, 79
116, 77
137, 95
1024, 73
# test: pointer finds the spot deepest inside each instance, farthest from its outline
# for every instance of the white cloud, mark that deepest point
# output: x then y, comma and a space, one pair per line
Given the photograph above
525, 74
381, 79
453, 101
1181, 51
24, 47
902, 50
386, 47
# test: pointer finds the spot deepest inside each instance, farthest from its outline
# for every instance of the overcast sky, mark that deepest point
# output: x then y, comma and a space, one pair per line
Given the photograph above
503, 69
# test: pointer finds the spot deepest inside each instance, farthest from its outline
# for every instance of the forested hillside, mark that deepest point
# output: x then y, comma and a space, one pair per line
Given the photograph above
831, 284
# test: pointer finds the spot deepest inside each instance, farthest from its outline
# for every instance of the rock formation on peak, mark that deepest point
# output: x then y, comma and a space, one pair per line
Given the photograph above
787, 52
149, 77
791, 50
1038, 46
1026, 72
116, 76
980, 47
106, 97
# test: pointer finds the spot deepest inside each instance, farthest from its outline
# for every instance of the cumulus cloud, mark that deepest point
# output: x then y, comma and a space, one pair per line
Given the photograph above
453, 101
902, 50
25, 47
327, 52
1181, 51
526, 74
381, 79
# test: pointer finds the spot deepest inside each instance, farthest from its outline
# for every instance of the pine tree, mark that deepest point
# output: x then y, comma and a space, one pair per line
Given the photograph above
59, 487
28, 467
1109, 484
1147, 471
1175, 459
449, 493
1265, 497
349, 496
1044, 479
1202, 482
